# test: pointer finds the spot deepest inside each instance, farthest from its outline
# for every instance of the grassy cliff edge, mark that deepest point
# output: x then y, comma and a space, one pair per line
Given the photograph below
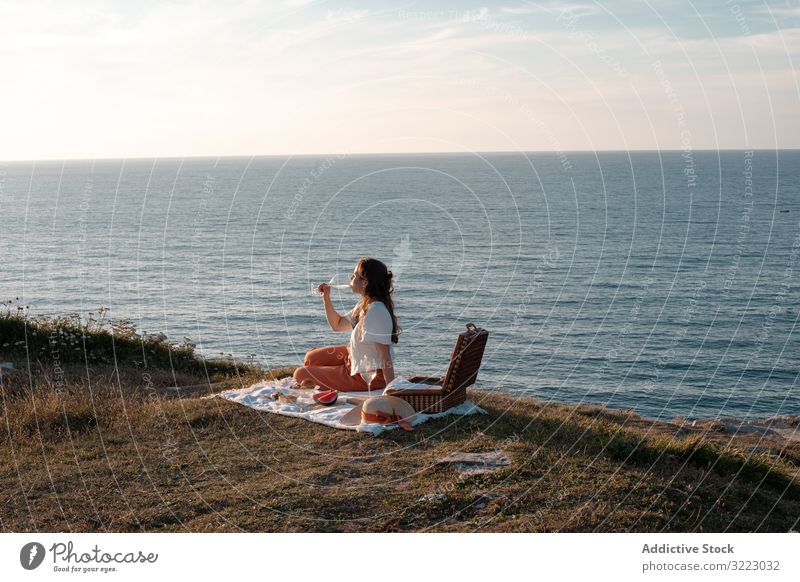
108, 446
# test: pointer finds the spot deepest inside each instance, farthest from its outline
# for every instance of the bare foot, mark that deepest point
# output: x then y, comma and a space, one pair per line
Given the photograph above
305, 385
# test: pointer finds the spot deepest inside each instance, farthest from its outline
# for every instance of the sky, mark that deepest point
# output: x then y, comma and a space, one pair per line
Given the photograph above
136, 78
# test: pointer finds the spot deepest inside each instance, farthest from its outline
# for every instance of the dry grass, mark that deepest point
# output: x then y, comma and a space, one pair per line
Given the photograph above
110, 450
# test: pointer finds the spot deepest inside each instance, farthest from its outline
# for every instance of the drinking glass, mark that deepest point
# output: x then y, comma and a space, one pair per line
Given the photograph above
338, 281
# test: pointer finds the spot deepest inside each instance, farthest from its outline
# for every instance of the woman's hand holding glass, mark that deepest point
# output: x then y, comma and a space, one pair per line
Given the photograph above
336, 282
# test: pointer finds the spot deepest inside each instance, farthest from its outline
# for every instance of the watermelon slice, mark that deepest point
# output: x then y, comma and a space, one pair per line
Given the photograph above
326, 397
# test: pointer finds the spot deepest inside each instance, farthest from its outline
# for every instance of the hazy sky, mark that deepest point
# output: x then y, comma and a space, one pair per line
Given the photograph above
139, 79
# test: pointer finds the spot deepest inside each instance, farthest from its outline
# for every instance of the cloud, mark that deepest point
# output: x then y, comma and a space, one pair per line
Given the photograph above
535, 8
248, 77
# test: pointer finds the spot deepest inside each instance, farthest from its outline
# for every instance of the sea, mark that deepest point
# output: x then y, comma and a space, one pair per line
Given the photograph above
665, 282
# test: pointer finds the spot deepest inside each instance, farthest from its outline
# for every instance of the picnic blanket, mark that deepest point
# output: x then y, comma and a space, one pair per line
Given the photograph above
261, 396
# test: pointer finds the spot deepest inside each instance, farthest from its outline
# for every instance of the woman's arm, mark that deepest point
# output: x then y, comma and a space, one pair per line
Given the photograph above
336, 321
386, 362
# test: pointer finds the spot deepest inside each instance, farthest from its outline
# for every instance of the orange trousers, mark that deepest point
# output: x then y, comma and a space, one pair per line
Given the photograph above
329, 367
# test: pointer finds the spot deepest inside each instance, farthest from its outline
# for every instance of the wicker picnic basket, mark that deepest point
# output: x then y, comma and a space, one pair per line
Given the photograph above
451, 389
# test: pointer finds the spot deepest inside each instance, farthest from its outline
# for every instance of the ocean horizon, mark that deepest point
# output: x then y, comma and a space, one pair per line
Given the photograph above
246, 156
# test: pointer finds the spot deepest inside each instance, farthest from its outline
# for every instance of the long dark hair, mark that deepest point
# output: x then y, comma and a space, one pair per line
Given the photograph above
379, 288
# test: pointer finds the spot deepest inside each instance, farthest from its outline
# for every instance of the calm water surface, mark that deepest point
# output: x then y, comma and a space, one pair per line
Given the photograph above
662, 282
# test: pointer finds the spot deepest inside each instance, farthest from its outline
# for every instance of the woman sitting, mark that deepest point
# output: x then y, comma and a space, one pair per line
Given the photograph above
366, 363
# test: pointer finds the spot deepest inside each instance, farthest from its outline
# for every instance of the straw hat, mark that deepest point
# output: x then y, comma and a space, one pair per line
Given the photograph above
383, 410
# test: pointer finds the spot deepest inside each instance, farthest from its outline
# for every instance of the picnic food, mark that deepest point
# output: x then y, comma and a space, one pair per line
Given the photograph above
326, 397
287, 398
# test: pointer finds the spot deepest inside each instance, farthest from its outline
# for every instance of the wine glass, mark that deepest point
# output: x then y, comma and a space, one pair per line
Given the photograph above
338, 281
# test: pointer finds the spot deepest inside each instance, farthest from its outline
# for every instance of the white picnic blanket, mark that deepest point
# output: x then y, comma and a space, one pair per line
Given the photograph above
261, 396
